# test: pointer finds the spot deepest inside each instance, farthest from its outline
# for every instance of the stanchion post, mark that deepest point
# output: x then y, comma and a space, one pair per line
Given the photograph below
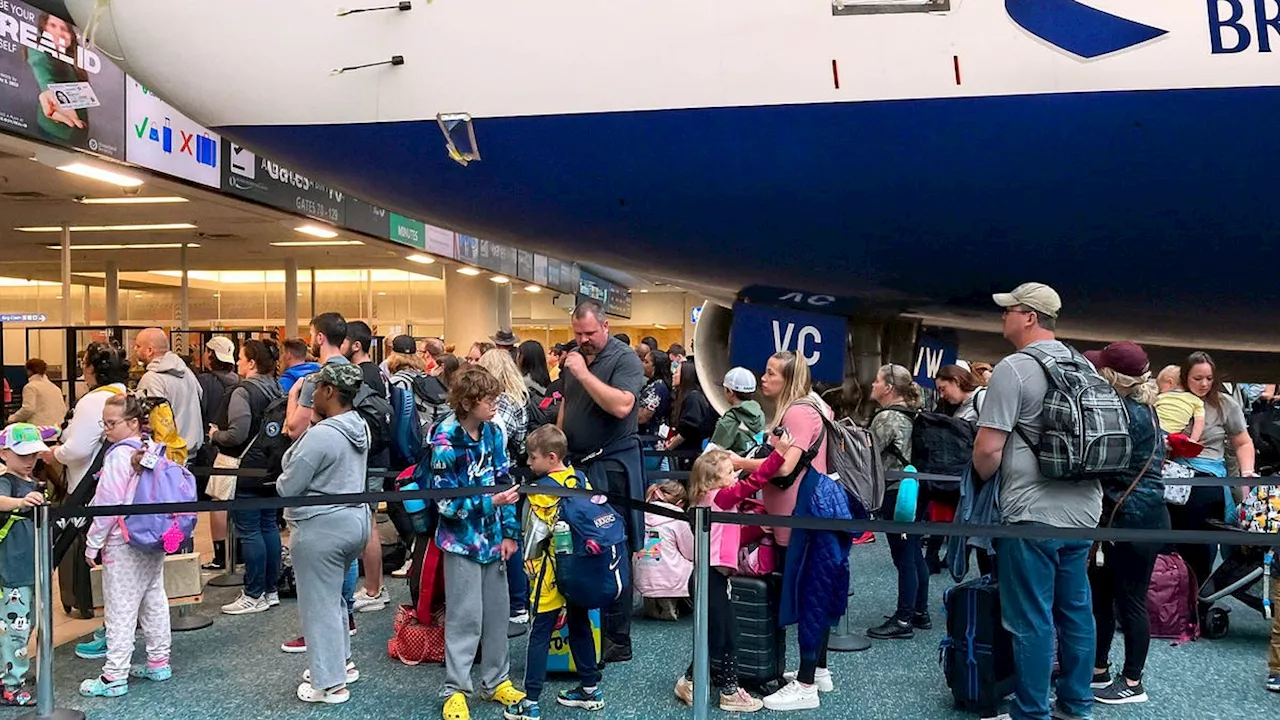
44, 638
701, 648
231, 578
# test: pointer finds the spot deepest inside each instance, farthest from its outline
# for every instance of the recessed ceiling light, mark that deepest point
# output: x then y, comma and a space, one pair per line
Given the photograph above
315, 243
129, 246
157, 200
108, 228
98, 173
316, 231
467, 270
644, 291
532, 288
500, 279
381, 294
423, 259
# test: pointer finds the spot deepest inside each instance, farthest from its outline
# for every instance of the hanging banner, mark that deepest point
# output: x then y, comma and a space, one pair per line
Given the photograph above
163, 139
56, 88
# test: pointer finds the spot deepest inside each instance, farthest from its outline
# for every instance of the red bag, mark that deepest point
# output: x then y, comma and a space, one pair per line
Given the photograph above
417, 635
1173, 600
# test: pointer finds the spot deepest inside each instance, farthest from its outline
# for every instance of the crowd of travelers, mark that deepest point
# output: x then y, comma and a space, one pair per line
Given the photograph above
319, 417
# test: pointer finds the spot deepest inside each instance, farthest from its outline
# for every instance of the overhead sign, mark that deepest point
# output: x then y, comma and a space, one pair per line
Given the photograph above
163, 139
553, 274
695, 314
759, 331
408, 231
56, 88
539, 269
468, 249
440, 241
23, 318
263, 180
935, 347
367, 218
524, 265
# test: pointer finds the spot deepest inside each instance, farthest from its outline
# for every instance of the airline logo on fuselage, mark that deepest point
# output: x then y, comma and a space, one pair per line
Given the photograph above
1078, 29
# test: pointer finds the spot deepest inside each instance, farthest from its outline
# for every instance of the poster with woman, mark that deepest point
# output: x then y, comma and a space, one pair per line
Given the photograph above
56, 87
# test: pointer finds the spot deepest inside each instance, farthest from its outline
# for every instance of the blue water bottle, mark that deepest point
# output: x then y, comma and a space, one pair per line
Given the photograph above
908, 497
416, 509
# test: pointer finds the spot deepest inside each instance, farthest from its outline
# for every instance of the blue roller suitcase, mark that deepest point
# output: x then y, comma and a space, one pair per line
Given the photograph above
977, 653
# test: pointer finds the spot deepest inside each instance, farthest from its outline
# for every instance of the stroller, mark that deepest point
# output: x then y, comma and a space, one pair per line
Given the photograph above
1243, 574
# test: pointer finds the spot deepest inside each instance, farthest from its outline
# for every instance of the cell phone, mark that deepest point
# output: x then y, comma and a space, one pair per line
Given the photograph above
777, 432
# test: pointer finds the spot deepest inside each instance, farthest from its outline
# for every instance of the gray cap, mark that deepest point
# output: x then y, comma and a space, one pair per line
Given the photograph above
1037, 296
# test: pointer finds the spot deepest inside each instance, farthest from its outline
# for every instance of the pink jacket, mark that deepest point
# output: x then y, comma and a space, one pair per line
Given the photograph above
663, 567
726, 538
113, 489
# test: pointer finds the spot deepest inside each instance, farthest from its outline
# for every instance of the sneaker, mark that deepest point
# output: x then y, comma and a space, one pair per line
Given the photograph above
1101, 679
364, 602
1273, 682
351, 624
580, 698
740, 701
95, 649
246, 605
892, 630
922, 621
821, 679
684, 690
506, 694
1121, 692
524, 710
455, 708
793, 696
273, 599
296, 645
520, 618
214, 566
403, 572
353, 674
102, 687
331, 696
158, 674
865, 539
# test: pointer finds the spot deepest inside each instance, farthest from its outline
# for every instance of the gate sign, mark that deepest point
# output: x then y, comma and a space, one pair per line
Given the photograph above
759, 331
934, 348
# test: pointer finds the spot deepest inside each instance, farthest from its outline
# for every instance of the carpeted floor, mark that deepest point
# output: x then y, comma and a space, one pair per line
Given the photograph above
235, 669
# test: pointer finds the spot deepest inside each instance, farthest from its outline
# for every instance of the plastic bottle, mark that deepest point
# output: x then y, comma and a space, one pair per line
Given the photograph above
561, 538
908, 496
415, 509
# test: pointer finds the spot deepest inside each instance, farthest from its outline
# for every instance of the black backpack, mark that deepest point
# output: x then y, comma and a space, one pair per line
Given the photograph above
375, 410
269, 442
542, 409
942, 444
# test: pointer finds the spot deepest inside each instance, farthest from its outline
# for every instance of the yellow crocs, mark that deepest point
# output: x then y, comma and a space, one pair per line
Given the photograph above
455, 708
506, 694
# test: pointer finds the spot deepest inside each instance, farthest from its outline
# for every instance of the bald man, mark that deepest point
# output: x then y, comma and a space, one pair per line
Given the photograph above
168, 377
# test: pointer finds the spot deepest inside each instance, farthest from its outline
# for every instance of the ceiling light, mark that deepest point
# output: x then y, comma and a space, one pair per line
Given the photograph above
532, 288
108, 228
381, 294
500, 279
423, 259
315, 243
644, 291
157, 200
467, 270
130, 246
97, 173
660, 327
316, 231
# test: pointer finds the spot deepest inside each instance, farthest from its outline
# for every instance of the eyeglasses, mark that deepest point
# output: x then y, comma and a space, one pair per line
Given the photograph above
109, 424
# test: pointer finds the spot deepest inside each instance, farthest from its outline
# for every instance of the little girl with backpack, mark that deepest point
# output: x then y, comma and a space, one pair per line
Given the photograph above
663, 566
131, 549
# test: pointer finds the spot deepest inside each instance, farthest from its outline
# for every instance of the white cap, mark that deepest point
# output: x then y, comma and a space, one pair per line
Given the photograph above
740, 379
1037, 296
222, 348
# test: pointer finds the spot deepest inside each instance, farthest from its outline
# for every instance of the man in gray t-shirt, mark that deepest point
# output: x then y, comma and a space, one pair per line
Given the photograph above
1044, 584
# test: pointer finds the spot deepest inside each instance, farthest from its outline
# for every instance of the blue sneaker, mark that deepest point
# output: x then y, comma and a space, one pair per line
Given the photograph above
100, 687
580, 698
524, 710
95, 649
146, 672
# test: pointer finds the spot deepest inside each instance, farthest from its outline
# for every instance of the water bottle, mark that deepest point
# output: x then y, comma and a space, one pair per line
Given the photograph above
908, 496
416, 509
561, 538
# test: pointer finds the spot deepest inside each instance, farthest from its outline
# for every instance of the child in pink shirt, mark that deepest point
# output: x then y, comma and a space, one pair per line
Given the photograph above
663, 566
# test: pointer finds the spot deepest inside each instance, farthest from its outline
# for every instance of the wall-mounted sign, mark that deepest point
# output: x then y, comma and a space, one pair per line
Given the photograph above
539, 269
56, 88
161, 138
759, 331
367, 218
408, 231
553, 274
23, 317
524, 265
440, 241
695, 314
263, 180
468, 249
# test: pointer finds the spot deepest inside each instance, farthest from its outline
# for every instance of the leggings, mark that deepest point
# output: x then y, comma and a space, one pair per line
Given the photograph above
808, 667
1120, 591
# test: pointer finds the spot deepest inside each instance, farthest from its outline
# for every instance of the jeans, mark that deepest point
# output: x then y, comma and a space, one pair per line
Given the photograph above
913, 573
259, 538
1044, 586
349, 582
1120, 588
582, 646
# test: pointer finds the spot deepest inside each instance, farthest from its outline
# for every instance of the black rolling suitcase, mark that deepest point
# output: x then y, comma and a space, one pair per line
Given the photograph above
761, 643
977, 653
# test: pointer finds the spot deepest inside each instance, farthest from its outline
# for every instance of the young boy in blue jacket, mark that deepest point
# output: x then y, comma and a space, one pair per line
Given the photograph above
477, 534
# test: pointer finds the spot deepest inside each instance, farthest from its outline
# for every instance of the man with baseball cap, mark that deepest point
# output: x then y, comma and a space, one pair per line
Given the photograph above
1044, 584
737, 429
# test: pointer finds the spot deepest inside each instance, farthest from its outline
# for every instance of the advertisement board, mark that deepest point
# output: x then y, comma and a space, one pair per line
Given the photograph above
468, 249
440, 241
524, 265
163, 139
56, 88
407, 231
367, 218
539, 269
263, 180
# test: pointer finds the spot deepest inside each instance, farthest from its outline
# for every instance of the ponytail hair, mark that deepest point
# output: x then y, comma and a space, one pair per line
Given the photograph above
899, 379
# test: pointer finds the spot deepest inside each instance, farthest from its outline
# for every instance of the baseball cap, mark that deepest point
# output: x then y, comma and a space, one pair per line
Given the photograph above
346, 377
1037, 296
222, 348
1124, 357
26, 439
740, 379
404, 344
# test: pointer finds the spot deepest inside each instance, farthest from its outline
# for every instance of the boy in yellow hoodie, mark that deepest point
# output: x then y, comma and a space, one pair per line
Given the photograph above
547, 447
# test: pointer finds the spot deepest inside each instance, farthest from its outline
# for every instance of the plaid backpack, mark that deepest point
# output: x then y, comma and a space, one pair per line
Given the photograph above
1085, 430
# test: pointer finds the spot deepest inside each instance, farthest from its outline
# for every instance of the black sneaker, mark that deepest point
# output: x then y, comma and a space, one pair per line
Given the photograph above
935, 564
921, 621
1120, 692
892, 630
615, 654
1273, 682
1101, 679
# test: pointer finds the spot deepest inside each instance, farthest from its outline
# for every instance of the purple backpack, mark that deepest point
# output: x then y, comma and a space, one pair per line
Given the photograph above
164, 482
1173, 600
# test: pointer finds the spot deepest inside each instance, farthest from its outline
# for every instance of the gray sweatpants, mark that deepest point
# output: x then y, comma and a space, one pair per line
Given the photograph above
322, 548
477, 608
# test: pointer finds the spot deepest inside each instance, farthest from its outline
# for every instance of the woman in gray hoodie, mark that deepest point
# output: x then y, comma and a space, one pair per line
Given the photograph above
329, 459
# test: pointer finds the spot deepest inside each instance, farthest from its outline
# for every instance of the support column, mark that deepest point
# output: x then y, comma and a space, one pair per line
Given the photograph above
313, 294
471, 309
290, 297
503, 306
112, 291
368, 290
66, 274
184, 295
